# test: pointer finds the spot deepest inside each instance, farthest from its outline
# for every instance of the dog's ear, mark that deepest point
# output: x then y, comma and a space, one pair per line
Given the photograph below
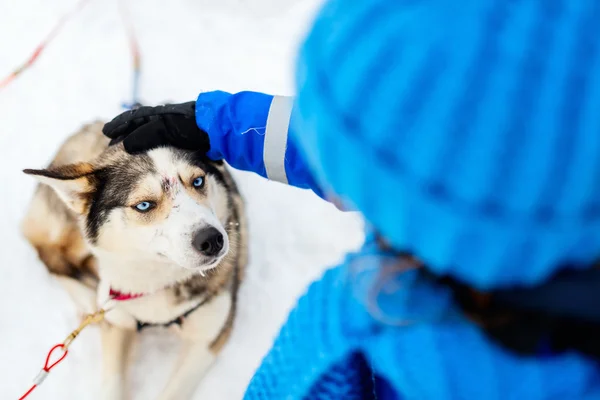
73, 183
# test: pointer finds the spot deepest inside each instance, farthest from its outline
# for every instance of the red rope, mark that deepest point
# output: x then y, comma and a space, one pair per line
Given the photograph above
133, 43
42, 375
40, 48
28, 392
134, 48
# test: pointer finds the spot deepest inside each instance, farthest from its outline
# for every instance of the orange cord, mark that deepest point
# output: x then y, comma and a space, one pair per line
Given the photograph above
38, 50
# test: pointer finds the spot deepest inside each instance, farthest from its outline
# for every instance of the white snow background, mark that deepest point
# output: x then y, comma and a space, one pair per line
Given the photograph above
187, 46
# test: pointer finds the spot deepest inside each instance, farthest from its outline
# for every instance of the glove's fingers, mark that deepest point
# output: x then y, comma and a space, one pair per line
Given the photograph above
128, 127
116, 140
147, 137
129, 121
173, 131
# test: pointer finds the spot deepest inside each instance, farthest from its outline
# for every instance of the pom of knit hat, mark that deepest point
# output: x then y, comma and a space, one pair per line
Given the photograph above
468, 134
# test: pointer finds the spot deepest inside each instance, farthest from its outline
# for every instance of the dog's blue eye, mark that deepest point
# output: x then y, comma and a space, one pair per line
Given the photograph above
198, 182
143, 206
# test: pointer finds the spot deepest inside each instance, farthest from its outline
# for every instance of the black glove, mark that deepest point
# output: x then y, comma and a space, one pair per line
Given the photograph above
147, 128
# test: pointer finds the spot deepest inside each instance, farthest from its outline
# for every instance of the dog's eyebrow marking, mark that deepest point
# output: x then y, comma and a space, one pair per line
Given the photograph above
170, 185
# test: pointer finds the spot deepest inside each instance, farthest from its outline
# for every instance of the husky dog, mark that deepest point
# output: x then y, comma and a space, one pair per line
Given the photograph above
161, 236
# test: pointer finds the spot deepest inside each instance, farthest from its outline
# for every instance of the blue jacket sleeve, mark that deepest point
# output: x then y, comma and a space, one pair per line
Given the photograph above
251, 131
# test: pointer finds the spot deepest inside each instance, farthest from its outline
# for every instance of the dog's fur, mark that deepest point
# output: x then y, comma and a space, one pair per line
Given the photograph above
83, 223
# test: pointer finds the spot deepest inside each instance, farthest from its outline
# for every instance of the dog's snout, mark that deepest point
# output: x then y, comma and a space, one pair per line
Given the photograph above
208, 241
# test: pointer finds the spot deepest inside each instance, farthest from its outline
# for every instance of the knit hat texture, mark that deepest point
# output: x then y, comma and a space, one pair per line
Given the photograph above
467, 133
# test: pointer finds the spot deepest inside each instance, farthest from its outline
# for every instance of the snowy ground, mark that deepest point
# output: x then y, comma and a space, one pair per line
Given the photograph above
187, 46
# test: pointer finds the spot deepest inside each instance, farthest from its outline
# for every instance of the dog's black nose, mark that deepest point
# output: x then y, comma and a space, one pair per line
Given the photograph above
208, 241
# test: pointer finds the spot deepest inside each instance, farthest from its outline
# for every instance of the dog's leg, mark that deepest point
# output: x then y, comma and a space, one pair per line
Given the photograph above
198, 353
193, 362
116, 343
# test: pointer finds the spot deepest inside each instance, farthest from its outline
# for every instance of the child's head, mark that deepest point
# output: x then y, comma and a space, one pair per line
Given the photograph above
468, 135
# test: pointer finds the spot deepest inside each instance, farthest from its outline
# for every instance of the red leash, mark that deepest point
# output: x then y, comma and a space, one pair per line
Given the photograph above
133, 47
115, 295
136, 56
64, 346
96, 317
38, 50
47, 367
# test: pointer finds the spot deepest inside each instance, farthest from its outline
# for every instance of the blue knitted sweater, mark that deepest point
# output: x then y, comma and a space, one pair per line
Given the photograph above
341, 343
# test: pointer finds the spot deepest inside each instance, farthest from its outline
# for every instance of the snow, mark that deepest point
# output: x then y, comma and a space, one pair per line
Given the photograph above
187, 46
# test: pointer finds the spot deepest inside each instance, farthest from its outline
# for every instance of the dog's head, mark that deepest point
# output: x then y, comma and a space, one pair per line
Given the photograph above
165, 205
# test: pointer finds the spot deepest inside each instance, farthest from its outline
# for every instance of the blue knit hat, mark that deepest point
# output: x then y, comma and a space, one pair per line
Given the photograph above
467, 133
